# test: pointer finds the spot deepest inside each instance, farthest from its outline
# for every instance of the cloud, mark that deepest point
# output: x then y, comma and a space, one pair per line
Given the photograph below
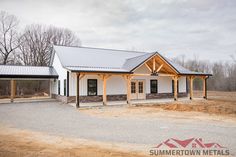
173, 27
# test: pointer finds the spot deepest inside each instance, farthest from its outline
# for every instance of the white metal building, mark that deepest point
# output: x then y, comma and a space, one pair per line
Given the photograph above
94, 74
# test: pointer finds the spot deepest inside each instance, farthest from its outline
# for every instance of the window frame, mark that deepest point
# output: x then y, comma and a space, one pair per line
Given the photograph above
133, 87
140, 87
152, 86
88, 80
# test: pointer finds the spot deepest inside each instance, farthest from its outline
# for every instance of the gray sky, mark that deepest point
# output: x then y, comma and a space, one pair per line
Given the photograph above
205, 28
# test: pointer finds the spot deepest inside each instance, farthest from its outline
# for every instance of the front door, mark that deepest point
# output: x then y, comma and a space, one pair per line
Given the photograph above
138, 89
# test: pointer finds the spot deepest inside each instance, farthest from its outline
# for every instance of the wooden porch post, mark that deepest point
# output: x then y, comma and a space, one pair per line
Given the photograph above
191, 87
104, 78
77, 90
13, 90
104, 96
204, 85
175, 78
128, 87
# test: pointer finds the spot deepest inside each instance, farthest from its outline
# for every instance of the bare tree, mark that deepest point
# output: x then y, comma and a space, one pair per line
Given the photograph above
233, 56
37, 40
8, 35
35, 46
224, 73
63, 36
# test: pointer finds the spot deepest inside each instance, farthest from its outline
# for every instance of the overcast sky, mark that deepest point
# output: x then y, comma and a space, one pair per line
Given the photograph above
205, 28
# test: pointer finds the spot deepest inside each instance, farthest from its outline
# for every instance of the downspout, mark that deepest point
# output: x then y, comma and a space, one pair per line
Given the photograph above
67, 84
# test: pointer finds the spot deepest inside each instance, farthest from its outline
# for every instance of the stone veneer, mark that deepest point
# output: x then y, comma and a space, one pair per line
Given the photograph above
120, 97
164, 95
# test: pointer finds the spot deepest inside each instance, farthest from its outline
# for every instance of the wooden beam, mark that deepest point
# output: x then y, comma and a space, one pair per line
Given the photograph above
168, 75
81, 76
128, 87
104, 96
13, 90
77, 90
128, 90
159, 68
175, 78
153, 65
191, 86
204, 87
148, 67
104, 78
159, 74
140, 74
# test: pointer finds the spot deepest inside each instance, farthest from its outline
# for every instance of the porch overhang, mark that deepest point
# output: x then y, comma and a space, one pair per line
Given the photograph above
29, 76
20, 71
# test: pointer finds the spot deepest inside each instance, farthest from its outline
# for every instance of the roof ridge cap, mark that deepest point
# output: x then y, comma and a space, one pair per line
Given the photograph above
103, 49
94, 67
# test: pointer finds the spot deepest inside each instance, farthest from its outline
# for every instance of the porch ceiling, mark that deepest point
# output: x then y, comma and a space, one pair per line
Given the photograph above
157, 65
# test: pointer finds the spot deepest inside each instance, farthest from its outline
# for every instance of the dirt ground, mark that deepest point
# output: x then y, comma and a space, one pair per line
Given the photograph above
13, 142
220, 103
22, 143
219, 106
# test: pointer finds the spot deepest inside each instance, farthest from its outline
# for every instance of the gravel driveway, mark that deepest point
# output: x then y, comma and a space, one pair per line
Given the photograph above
57, 119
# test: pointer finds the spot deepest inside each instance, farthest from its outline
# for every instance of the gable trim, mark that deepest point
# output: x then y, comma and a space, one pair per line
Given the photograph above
142, 63
169, 64
156, 54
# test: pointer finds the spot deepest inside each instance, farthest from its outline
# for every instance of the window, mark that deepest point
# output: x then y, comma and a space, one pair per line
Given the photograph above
64, 87
59, 87
92, 87
133, 88
140, 87
153, 86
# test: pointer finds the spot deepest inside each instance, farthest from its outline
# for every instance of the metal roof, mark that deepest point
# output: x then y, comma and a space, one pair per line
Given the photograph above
96, 69
86, 59
182, 70
132, 63
19, 71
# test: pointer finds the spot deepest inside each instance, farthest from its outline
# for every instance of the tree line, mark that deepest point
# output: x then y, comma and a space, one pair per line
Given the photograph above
224, 73
33, 46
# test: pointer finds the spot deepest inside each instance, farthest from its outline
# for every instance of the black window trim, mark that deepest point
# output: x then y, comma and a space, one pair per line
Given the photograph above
156, 86
88, 87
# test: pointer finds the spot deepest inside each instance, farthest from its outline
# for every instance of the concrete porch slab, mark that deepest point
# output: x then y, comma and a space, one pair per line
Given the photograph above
133, 102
